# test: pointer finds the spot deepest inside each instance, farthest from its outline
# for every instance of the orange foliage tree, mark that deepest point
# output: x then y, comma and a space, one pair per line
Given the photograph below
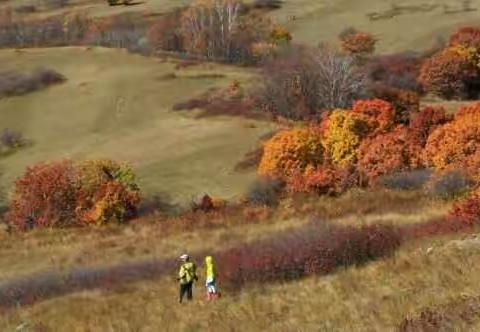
378, 114
457, 143
291, 151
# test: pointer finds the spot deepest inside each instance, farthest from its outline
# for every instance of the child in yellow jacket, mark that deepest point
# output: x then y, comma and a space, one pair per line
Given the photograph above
210, 283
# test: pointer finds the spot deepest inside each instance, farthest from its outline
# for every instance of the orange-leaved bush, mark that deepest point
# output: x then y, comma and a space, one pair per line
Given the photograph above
358, 43
291, 151
68, 193
456, 144
107, 191
342, 134
451, 73
384, 154
378, 114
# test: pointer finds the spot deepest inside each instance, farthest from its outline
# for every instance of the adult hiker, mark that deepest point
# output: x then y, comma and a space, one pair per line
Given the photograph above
210, 278
186, 276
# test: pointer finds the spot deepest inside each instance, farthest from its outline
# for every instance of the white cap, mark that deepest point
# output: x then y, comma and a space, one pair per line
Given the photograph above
184, 256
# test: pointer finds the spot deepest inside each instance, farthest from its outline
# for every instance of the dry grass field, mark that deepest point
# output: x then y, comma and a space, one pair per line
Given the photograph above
116, 105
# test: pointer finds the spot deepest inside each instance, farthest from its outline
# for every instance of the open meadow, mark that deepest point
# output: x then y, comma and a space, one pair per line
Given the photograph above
325, 153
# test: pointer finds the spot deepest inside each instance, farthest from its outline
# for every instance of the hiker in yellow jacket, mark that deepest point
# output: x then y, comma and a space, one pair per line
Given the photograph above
211, 280
186, 276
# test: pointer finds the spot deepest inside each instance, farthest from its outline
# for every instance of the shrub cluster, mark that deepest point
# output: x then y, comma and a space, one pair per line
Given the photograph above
318, 248
370, 142
15, 83
69, 193
454, 72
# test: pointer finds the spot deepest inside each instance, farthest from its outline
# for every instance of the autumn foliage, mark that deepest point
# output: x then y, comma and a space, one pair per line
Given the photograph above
358, 43
318, 249
456, 144
291, 151
69, 193
467, 210
386, 153
454, 72
466, 36
343, 132
378, 114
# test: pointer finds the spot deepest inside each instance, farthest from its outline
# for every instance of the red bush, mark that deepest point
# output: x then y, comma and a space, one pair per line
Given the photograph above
44, 196
316, 249
404, 102
358, 43
326, 180
377, 113
467, 211
423, 123
385, 153
466, 36
451, 73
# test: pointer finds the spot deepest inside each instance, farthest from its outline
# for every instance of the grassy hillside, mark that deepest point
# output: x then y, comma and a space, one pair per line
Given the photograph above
116, 105
413, 25
375, 297
399, 25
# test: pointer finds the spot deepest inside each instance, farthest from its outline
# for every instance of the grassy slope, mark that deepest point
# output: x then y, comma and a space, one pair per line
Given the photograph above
323, 20
114, 105
45, 250
375, 297
144, 306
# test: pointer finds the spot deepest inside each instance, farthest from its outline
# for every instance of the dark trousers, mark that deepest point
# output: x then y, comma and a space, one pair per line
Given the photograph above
186, 289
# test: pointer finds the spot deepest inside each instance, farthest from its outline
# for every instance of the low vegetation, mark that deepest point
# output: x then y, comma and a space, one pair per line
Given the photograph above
16, 83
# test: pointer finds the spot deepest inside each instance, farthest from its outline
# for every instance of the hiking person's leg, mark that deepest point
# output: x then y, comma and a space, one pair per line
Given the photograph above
183, 290
189, 291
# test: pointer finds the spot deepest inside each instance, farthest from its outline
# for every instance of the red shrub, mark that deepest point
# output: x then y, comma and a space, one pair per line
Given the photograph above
467, 211
44, 196
451, 73
466, 36
315, 249
385, 153
423, 123
404, 102
358, 43
326, 180
377, 113
67, 194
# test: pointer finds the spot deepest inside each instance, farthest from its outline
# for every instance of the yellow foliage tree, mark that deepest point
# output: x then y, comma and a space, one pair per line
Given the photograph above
343, 135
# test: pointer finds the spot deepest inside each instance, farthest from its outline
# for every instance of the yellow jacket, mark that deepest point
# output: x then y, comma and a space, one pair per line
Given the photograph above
187, 273
210, 268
